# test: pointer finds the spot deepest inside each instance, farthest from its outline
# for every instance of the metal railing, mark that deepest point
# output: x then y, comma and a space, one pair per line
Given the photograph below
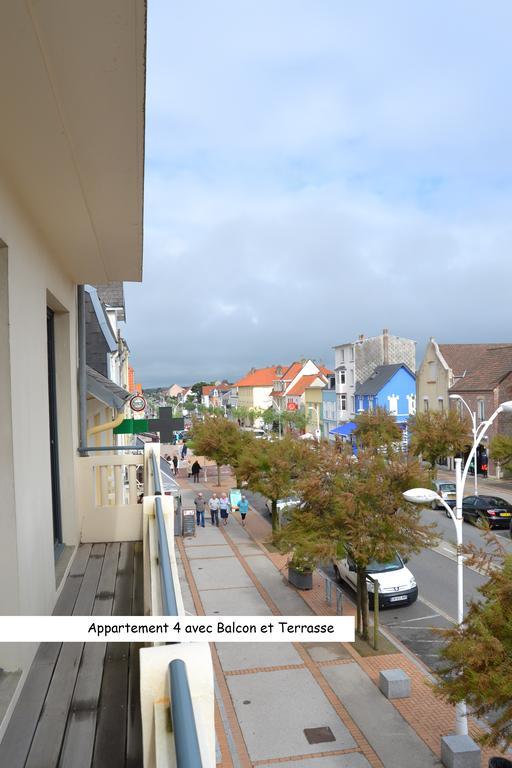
188, 753
169, 604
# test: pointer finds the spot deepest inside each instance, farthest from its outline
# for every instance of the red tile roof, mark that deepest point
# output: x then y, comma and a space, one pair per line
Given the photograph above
259, 377
477, 366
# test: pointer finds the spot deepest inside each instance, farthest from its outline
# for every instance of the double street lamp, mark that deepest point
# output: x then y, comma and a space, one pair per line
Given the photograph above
473, 422
426, 496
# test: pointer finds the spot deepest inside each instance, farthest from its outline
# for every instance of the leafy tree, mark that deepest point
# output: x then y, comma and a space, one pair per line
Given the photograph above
436, 434
500, 449
273, 469
377, 430
477, 658
357, 505
294, 420
197, 388
270, 417
220, 440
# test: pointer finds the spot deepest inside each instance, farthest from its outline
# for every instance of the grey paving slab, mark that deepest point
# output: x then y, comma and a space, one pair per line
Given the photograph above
353, 760
392, 738
326, 651
285, 597
216, 573
207, 535
245, 601
216, 550
238, 534
250, 549
252, 655
274, 708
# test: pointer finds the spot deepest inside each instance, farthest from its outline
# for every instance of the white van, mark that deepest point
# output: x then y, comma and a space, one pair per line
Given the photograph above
397, 585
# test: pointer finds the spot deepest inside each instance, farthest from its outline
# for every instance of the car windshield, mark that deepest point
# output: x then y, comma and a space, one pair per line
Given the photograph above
393, 565
447, 487
496, 503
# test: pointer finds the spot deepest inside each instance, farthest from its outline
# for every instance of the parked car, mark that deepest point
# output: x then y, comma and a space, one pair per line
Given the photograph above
283, 505
397, 585
491, 509
447, 491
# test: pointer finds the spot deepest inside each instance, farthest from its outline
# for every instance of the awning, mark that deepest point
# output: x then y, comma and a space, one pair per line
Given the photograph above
105, 390
344, 429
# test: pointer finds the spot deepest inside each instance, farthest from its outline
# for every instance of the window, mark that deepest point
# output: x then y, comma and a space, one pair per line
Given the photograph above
440, 404
411, 402
425, 405
370, 404
480, 405
352, 377
353, 403
342, 355
341, 378
343, 402
351, 354
393, 404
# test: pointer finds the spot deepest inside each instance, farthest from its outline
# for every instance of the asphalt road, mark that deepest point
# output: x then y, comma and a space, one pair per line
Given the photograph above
435, 571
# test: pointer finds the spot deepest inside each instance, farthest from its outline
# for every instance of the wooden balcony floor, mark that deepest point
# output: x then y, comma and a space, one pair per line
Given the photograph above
80, 706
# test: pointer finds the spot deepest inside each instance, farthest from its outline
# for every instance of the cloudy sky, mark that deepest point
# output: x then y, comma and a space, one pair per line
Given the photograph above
317, 169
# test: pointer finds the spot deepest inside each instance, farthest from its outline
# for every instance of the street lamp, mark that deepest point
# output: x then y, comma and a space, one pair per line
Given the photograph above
473, 421
426, 496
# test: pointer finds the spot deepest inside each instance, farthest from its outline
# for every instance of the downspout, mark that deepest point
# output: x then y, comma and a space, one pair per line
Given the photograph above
82, 372
107, 425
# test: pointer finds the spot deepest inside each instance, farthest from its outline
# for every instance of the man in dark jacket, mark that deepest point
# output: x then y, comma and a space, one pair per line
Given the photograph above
196, 468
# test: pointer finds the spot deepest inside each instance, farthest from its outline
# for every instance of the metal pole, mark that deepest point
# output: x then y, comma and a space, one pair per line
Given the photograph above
328, 586
188, 753
461, 724
339, 601
475, 460
82, 371
169, 604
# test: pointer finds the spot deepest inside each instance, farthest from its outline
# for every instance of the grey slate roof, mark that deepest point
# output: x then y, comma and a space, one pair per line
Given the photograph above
378, 379
105, 390
112, 295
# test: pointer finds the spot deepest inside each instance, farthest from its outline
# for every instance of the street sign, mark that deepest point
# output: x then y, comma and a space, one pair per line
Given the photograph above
292, 407
137, 403
189, 522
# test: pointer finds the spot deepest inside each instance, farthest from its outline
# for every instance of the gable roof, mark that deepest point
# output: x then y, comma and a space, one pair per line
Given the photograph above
303, 383
259, 377
477, 366
379, 378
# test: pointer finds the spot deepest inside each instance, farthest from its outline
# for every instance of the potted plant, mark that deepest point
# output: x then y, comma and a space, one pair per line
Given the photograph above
300, 570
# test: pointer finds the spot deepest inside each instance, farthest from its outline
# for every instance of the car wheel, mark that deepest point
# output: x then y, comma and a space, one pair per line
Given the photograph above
434, 505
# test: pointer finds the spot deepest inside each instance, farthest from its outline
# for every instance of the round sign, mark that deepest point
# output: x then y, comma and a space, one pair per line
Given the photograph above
318, 433
137, 403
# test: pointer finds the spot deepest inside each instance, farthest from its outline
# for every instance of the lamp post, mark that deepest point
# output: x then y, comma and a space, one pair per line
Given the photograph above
425, 496
473, 421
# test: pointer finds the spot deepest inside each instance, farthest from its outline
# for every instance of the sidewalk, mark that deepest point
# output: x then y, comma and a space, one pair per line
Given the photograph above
302, 705
486, 485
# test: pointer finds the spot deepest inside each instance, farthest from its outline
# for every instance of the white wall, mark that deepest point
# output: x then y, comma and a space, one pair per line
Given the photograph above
27, 576
261, 397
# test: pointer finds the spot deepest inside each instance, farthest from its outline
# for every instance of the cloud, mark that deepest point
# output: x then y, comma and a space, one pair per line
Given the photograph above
320, 170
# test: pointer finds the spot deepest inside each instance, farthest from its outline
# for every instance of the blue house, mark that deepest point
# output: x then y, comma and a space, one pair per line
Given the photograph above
392, 387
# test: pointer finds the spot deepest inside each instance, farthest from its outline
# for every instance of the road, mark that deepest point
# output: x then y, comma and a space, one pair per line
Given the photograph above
435, 572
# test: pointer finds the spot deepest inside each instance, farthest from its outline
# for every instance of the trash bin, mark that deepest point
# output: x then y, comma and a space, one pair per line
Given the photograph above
499, 762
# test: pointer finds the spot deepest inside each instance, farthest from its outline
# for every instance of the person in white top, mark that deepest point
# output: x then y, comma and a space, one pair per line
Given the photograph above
214, 504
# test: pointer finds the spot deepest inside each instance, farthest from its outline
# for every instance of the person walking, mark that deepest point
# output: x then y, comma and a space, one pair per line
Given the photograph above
183, 450
199, 504
175, 463
214, 509
224, 508
196, 468
243, 508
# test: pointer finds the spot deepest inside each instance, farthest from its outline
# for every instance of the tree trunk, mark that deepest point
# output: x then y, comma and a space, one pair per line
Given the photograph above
218, 474
362, 589
275, 516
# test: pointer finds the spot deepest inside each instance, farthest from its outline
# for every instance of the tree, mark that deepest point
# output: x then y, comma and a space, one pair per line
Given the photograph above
198, 387
377, 430
295, 420
436, 434
273, 469
220, 440
477, 658
357, 505
500, 449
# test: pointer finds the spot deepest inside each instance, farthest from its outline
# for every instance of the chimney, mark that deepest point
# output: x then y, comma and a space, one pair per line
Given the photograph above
385, 346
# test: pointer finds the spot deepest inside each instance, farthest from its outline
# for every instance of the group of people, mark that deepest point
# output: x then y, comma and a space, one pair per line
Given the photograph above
218, 505
193, 470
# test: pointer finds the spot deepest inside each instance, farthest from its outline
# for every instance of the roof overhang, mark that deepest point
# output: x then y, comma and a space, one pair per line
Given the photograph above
105, 390
72, 129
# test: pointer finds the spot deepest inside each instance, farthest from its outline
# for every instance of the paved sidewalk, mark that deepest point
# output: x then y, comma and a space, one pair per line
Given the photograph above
269, 695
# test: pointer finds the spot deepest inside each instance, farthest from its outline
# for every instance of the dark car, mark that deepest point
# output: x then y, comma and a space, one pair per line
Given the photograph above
491, 509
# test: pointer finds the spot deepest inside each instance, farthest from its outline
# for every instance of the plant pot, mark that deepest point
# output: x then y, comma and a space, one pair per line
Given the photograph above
300, 579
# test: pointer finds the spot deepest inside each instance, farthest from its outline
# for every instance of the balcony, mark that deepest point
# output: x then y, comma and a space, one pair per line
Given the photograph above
118, 704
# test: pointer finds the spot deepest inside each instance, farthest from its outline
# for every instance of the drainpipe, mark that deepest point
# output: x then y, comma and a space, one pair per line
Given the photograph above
82, 371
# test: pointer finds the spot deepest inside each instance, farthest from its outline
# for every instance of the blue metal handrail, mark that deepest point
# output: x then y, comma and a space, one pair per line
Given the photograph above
156, 474
188, 754
169, 604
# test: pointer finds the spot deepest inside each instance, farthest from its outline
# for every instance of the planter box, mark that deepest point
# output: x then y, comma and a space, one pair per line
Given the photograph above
299, 579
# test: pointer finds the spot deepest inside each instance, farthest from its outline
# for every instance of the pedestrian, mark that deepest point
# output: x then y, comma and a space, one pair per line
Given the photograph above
199, 504
196, 468
214, 509
243, 508
175, 463
224, 508
183, 450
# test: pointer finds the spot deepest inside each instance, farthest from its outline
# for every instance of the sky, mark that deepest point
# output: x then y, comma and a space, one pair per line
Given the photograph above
318, 169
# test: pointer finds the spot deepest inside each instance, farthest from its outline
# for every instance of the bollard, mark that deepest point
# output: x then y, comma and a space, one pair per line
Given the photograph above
328, 590
339, 602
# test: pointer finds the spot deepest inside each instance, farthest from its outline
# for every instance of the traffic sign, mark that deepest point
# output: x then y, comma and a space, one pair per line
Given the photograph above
137, 403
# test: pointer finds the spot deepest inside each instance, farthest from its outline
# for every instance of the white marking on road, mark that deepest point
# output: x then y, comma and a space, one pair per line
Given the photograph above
420, 618
439, 610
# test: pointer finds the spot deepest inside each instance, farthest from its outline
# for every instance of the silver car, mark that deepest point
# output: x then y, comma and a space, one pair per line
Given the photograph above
447, 491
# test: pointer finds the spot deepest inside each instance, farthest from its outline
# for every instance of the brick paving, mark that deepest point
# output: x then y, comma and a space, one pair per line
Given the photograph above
428, 716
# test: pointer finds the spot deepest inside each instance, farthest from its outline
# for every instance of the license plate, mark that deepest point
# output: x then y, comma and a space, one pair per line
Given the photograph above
505, 514
397, 598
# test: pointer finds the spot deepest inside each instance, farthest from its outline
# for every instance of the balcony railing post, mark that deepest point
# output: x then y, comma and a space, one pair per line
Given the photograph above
188, 753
